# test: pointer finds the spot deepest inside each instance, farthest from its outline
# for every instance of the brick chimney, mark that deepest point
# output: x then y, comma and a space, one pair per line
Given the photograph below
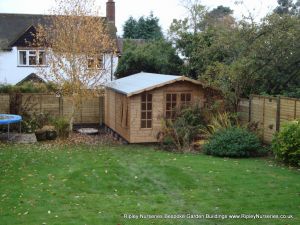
111, 11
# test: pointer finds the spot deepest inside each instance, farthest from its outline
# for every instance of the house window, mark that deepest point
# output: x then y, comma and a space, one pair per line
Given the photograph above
23, 58
42, 58
185, 99
95, 62
171, 100
146, 111
31, 58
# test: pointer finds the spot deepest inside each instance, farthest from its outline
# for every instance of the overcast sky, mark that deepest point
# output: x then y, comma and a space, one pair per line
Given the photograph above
165, 10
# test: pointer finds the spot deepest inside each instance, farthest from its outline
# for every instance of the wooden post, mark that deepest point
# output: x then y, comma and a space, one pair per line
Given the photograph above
60, 106
41, 103
278, 114
101, 110
263, 119
81, 109
250, 108
295, 109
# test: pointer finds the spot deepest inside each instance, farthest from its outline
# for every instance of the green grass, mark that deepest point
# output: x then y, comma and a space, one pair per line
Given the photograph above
97, 185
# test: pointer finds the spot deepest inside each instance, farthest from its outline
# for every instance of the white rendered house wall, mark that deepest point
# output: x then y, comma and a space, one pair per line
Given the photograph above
12, 73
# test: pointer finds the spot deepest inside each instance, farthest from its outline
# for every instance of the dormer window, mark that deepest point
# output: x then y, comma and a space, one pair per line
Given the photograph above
31, 58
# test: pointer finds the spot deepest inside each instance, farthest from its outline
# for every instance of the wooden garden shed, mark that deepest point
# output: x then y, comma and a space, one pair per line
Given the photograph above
135, 105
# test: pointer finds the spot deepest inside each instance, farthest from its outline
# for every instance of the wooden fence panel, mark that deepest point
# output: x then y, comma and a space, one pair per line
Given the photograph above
244, 111
67, 110
257, 111
90, 111
4, 103
297, 109
269, 122
50, 104
288, 109
270, 113
31, 103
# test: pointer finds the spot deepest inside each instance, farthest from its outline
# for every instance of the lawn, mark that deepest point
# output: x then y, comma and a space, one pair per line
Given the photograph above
98, 185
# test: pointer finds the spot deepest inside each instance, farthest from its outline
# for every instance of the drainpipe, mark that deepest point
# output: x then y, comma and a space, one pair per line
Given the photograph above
111, 66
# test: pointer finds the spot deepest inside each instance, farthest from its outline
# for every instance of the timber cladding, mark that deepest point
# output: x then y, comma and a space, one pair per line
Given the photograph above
123, 114
269, 113
89, 111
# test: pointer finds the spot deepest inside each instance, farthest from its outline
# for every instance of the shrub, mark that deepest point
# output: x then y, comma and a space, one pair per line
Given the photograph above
220, 121
32, 122
28, 87
62, 127
233, 142
286, 143
46, 133
182, 131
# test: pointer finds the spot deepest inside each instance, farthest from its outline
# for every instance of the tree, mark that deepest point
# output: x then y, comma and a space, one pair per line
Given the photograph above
288, 7
259, 59
156, 56
130, 28
219, 16
242, 58
143, 28
76, 39
220, 12
192, 38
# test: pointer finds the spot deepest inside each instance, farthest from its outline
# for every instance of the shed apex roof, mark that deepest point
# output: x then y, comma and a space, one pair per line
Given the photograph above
141, 82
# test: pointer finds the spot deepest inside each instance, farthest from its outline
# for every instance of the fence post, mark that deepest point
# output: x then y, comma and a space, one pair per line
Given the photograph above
295, 109
264, 115
250, 108
61, 106
101, 109
278, 114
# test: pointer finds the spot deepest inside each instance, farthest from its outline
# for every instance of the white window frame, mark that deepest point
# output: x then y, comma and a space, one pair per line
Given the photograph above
28, 54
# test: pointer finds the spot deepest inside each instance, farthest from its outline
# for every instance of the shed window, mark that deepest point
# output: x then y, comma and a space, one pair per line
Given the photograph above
146, 111
171, 100
185, 99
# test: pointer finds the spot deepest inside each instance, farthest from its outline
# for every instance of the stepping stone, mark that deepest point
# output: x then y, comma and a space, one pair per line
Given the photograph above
19, 138
88, 131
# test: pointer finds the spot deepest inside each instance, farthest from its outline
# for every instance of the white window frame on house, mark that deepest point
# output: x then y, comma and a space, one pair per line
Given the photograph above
32, 53
99, 65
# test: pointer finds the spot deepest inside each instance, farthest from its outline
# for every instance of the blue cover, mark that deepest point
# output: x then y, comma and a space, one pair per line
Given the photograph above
9, 118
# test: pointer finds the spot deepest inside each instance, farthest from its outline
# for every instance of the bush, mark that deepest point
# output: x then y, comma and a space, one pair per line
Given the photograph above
62, 127
233, 142
220, 121
182, 131
46, 133
28, 87
32, 122
286, 143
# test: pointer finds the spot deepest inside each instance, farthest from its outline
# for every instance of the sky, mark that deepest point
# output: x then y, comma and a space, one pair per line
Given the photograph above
165, 10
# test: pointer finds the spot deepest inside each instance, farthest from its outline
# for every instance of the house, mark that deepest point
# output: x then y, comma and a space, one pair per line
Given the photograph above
135, 105
18, 60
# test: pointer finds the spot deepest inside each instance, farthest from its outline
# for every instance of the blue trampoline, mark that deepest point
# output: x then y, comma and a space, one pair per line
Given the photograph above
7, 119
